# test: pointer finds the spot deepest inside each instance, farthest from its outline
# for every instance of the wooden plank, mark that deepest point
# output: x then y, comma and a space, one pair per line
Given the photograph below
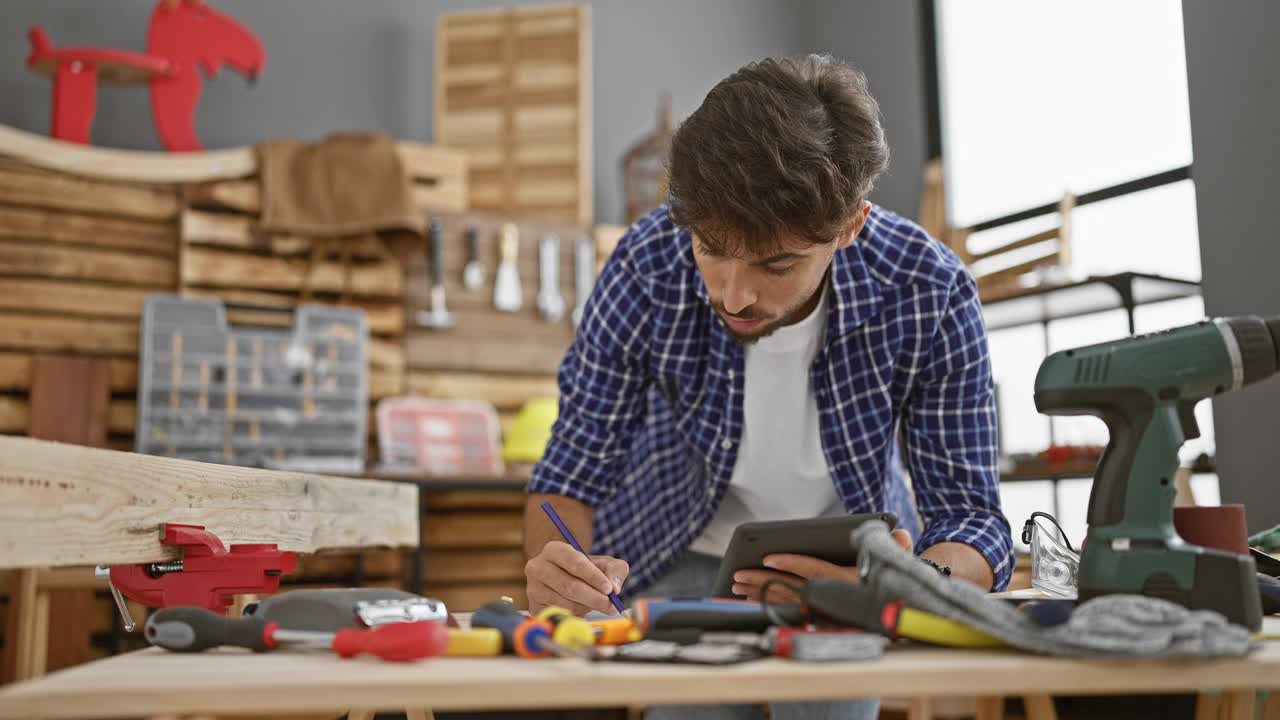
449, 196
546, 192
124, 375
123, 412
377, 563
1045, 236
474, 74
503, 391
1272, 709
1239, 704
67, 192
562, 118
239, 231
122, 416
384, 384
386, 354
607, 238
990, 708
15, 371
72, 297
920, 709
61, 578
546, 154
448, 193
1039, 707
471, 597
66, 227
384, 318
64, 334
69, 397
227, 230
425, 351
128, 165
433, 162
470, 566
13, 415
121, 498
194, 167
24, 626
1009, 274
73, 263
239, 195
562, 24
490, 529
222, 268
474, 500
585, 125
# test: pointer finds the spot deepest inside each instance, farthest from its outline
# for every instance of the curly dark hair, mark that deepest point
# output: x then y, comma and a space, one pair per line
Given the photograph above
780, 149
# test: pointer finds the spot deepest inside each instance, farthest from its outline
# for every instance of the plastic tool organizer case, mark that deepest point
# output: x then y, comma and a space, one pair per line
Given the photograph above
294, 399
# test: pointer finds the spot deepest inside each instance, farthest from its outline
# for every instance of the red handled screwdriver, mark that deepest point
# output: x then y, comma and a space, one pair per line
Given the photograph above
192, 629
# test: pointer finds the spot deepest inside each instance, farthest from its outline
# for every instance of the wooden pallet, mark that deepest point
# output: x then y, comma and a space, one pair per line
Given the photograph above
513, 89
86, 233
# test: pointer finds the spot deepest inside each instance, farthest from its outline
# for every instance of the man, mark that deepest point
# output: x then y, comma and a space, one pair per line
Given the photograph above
756, 350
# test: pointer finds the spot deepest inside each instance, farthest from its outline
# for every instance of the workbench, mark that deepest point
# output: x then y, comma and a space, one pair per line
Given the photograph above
155, 682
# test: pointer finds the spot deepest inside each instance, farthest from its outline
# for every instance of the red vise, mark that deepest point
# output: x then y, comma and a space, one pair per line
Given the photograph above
207, 576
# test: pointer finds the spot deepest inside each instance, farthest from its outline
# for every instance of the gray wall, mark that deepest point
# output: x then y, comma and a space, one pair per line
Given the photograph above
336, 65
882, 38
1233, 76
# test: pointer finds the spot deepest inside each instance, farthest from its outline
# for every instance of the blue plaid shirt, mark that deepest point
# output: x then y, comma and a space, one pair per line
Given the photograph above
651, 396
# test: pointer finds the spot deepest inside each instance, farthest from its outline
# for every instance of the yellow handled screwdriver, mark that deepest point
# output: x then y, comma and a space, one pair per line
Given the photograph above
568, 629
476, 642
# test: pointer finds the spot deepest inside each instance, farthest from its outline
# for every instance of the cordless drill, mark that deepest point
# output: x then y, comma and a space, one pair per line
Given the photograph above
1145, 388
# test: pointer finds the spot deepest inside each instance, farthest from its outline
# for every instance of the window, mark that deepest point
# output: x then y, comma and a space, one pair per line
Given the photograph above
1039, 99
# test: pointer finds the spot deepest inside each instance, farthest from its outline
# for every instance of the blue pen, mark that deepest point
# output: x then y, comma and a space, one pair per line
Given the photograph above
568, 537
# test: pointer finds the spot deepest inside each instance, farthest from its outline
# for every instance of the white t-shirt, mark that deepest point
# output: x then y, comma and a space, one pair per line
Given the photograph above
781, 473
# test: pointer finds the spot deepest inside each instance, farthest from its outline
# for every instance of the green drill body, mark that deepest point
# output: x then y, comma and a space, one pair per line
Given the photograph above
1145, 389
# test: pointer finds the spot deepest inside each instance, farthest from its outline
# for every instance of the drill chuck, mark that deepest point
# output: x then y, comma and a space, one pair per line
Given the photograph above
1254, 346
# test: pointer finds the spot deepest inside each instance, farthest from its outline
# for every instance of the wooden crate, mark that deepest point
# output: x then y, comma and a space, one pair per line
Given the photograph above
513, 89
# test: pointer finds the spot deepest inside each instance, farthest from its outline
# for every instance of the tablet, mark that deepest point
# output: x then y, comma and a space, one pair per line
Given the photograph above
826, 538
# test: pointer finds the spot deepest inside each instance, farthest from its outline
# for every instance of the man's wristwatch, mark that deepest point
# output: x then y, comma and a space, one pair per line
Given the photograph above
943, 569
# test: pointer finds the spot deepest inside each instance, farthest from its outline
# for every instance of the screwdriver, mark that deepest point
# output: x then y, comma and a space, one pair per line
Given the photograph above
711, 614
526, 636
476, 642
193, 629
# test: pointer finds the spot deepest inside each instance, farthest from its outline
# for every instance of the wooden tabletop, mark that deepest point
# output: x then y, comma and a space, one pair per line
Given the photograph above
153, 681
